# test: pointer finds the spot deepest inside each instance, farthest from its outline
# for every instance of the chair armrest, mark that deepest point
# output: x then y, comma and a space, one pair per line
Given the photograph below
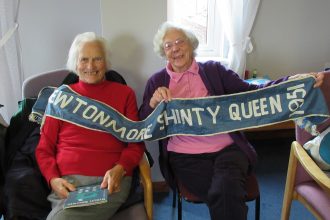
145, 176
311, 167
33, 84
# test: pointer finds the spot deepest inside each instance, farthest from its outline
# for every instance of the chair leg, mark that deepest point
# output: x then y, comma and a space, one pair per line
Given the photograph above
257, 208
174, 198
289, 184
179, 207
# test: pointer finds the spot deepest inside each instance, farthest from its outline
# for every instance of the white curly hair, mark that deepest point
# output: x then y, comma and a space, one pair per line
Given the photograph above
79, 41
166, 26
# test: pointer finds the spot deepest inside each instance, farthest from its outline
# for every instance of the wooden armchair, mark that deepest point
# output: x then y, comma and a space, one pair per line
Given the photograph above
313, 193
140, 211
306, 182
145, 176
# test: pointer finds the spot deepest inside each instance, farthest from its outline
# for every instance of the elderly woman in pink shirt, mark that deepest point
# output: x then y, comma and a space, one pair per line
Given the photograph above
214, 168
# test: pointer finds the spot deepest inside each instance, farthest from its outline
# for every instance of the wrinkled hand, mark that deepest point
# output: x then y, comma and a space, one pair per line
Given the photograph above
319, 76
61, 187
112, 178
160, 94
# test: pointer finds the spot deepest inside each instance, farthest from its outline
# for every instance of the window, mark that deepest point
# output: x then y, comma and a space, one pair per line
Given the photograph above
202, 18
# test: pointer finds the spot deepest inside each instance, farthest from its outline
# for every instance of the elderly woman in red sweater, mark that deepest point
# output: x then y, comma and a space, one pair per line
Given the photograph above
70, 156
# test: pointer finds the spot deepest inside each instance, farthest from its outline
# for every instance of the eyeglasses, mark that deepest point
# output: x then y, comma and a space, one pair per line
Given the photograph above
169, 45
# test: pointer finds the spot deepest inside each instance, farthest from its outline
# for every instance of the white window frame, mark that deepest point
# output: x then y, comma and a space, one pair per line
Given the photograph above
211, 50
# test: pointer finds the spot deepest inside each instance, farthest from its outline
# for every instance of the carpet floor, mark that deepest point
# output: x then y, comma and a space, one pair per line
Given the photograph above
271, 173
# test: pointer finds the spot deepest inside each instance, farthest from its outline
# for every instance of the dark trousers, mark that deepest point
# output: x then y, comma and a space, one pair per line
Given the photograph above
217, 178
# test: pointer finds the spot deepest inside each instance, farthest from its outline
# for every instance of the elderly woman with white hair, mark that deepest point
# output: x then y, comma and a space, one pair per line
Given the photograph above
70, 156
214, 168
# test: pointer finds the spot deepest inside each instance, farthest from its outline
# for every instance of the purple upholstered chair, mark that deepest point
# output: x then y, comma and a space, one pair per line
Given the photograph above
306, 182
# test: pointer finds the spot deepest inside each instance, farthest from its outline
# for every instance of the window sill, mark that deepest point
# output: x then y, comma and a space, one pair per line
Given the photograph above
223, 61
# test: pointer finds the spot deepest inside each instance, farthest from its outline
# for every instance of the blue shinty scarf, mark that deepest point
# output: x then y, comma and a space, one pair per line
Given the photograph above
290, 100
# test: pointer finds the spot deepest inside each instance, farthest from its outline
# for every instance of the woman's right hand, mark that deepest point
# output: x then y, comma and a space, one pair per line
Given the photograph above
61, 187
160, 94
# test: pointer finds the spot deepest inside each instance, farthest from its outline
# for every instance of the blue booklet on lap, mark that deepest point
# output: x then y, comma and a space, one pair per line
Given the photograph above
86, 196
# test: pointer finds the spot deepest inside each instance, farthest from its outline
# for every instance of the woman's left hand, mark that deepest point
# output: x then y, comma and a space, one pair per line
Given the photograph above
319, 76
318, 79
112, 178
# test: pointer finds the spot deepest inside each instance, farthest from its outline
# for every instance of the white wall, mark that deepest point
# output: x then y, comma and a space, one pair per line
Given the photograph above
291, 37
130, 27
47, 28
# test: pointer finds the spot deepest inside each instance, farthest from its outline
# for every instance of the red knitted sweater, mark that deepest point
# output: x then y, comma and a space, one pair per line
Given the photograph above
67, 149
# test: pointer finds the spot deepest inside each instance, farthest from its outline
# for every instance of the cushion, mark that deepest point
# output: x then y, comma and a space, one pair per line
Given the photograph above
319, 149
316, 197
310, 124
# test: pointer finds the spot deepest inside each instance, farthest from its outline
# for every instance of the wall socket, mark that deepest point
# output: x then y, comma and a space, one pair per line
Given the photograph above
327, 66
